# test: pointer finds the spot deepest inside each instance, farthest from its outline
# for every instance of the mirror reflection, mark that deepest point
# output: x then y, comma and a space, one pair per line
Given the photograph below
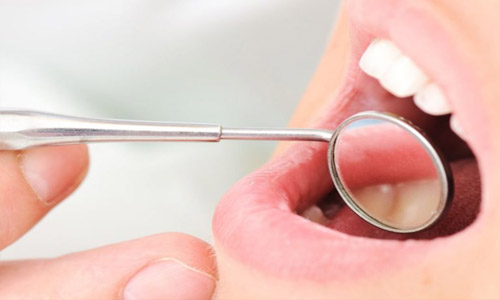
388, 173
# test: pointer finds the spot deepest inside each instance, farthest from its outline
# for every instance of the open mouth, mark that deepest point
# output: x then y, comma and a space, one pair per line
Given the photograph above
411, 66
400, 85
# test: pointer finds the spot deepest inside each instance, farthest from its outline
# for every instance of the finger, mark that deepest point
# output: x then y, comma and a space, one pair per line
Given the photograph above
164, 266
32, 182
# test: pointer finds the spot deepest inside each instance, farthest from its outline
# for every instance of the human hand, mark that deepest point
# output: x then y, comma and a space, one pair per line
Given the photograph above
265, 249
163, 266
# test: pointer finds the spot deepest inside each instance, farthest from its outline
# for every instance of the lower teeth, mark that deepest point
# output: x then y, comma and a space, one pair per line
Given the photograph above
315, 214
405, 204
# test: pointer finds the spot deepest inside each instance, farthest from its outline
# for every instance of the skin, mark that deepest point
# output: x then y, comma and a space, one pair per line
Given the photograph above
253, 260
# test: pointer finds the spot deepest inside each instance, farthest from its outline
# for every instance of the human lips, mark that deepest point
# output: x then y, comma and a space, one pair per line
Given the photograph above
256, 221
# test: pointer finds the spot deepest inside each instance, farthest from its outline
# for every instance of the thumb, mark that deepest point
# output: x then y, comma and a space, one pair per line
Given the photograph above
164, 266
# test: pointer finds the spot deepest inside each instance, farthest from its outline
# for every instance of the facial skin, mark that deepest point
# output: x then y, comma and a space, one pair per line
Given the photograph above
280, 256
263, 249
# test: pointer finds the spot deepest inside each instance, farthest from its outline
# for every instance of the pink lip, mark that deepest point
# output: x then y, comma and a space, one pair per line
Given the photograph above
255, 221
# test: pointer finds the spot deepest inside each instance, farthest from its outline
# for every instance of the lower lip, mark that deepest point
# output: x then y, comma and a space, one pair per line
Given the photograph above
255, 222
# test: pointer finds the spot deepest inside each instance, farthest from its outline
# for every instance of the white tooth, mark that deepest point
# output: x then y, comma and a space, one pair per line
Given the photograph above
456, 127
377, 200
315, 215
417, 202
431, 100
378, 57
403, 78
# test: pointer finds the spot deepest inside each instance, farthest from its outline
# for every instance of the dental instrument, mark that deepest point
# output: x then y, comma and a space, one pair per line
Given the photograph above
23, 129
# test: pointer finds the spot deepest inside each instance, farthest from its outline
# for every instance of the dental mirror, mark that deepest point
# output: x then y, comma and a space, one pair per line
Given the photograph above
385, 169
388, 172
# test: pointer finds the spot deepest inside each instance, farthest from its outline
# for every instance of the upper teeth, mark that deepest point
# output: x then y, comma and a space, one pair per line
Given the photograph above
431, 100
403, 78
399, 75
456, 127
378, 57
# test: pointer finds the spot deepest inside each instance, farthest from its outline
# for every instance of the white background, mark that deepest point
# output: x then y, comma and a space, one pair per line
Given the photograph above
238, 63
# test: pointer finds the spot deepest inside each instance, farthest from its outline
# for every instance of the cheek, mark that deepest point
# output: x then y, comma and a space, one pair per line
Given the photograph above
479, 19
240, 281
431, 279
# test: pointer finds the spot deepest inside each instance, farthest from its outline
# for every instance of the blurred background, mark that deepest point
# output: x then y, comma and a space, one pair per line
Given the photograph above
237, 63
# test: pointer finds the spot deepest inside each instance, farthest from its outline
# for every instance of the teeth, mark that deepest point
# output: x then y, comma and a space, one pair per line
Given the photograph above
396, 72
378, 57
403, 78
456, 127
404, 204
315, 215
376, 199
416, 202
400, 76
431, 100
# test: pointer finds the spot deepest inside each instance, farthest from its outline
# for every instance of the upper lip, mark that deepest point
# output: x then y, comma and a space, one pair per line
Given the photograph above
255, 221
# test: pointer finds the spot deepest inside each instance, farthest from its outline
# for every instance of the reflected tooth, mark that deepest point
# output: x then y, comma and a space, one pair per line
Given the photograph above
456, 127
403, 78
431, 100
417, 201
378, 57
315, 215
378, 200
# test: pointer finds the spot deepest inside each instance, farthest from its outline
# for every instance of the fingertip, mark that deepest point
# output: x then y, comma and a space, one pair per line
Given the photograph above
169, 278
54, 172
162, 266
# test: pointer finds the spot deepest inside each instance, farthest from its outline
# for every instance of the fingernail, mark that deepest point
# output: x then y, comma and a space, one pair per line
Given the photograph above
169, 279
53, 172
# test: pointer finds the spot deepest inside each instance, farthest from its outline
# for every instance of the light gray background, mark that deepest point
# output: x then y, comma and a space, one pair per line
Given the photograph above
239, 63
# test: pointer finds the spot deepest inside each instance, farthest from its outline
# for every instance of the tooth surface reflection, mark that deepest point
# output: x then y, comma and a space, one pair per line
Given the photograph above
388, 174
404, 205
378, 200
416, 202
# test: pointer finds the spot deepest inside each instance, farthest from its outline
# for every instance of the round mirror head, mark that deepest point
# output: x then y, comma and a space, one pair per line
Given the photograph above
388, 172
